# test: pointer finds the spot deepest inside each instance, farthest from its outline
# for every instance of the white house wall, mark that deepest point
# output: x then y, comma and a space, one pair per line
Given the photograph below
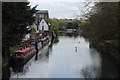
43, 23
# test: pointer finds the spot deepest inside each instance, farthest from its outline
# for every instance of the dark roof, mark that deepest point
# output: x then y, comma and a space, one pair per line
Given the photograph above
42, 11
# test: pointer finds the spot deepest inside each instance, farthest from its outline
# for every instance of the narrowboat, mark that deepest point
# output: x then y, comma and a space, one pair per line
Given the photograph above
45, 41
23, 55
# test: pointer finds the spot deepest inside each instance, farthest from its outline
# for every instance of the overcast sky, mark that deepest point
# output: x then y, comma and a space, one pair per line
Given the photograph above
60, 8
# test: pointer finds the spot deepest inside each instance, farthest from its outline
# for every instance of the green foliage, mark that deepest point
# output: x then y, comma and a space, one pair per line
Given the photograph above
69, 24
14, 48
33, 30
103, 25
15, 19
54, 24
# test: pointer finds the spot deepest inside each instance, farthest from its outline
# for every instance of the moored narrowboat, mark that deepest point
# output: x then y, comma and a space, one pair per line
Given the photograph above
23, 55
45, 41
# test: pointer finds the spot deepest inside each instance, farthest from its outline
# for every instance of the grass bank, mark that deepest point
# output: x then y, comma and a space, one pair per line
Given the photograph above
14, 48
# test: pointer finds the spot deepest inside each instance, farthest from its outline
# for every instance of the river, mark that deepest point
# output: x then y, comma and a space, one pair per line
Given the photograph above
66, 57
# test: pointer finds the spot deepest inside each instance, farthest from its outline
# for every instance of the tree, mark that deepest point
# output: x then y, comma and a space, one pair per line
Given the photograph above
68, 24
16, 16
54, 24
15, 19
102, 23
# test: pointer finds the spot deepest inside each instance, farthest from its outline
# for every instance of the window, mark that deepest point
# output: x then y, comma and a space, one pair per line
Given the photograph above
42, 27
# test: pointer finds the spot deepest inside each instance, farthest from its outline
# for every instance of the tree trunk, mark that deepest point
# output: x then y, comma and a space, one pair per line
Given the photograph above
5, 55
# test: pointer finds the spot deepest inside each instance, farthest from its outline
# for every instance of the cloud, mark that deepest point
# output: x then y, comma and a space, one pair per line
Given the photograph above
59, 9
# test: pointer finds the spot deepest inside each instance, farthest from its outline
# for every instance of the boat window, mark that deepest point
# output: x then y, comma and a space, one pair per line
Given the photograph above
18, 53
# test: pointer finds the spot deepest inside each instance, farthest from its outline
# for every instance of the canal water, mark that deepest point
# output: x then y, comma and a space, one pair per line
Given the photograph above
66, 57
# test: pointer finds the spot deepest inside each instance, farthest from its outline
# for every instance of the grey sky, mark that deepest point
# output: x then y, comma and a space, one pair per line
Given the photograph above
60, 8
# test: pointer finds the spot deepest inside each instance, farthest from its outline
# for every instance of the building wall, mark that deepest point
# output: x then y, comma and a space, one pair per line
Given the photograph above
35, 27
43, 25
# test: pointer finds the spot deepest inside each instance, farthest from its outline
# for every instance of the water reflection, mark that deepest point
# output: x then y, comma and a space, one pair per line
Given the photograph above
72, 34
55, 41
43, 55
90, 72
61, 60
19, 70
94, 70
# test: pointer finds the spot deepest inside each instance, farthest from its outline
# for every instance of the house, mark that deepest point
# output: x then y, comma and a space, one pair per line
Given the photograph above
41, 23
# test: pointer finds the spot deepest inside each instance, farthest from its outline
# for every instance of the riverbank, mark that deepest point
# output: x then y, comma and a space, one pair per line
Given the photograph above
107, 49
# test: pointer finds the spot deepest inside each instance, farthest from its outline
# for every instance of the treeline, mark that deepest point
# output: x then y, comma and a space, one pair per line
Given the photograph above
102, 23
69, 24
63, 24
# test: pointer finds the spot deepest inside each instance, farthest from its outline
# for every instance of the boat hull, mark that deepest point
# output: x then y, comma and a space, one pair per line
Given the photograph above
18, 60
44, 43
